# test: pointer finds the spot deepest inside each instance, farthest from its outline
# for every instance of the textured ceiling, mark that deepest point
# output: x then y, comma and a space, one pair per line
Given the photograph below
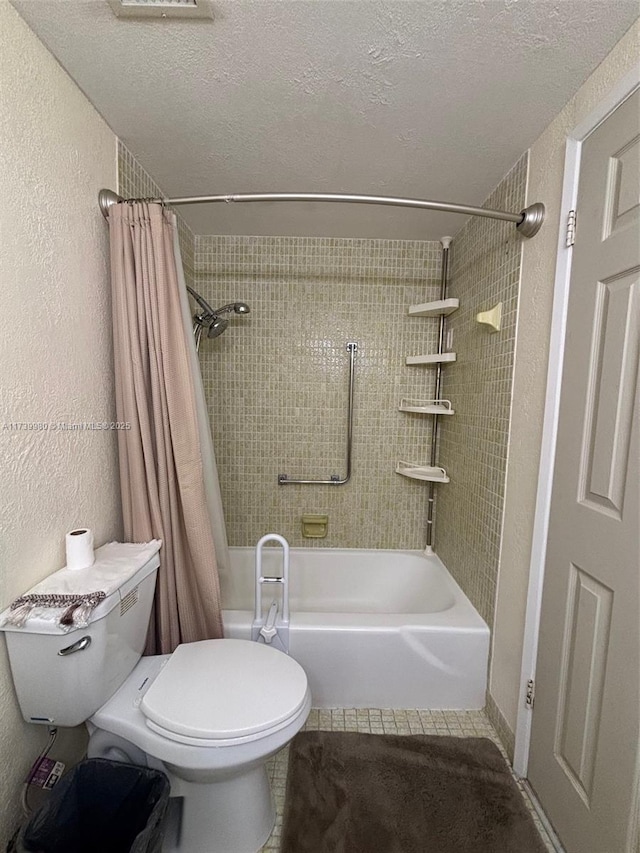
427, 98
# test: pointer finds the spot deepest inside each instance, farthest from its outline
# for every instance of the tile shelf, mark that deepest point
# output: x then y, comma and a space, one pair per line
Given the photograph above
430, 473
426, 407
434, 309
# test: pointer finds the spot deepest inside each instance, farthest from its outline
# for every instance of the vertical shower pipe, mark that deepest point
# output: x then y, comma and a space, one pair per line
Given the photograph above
446, 242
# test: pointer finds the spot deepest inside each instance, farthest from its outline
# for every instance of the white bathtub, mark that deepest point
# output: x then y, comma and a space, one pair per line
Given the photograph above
372, 629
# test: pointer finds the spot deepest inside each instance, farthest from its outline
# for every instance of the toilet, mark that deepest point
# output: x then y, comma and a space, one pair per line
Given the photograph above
209, 715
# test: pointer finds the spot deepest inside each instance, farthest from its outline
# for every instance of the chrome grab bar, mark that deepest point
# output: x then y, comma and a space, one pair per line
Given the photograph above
335, 479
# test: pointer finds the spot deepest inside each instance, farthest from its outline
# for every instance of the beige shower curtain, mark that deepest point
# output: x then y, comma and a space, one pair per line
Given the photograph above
163, 457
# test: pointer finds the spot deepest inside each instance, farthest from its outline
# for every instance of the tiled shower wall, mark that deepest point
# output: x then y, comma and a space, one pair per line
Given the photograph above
474, 442
277, 380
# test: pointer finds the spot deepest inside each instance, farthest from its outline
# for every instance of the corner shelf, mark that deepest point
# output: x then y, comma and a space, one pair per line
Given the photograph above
426, 407
441, 307
436, 358
430, 473
422, 472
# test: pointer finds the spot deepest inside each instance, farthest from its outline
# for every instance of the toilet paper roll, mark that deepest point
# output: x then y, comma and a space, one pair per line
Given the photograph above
79, 544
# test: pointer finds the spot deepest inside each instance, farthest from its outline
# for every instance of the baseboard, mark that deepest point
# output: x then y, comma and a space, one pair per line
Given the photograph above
501, 726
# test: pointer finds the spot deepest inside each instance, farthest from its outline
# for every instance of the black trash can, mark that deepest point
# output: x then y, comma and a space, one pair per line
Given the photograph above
100, 807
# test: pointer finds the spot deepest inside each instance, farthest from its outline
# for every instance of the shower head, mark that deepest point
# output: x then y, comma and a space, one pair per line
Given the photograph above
210, 318
217, 327
236, 307
219, 324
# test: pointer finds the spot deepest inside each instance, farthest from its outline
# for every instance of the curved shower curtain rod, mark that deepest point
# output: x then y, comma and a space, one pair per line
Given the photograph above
528, 221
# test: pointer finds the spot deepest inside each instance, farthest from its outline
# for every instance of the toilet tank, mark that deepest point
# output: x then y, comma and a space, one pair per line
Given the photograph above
61, 678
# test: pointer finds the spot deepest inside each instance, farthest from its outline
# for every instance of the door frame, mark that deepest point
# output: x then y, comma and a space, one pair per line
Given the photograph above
619, 93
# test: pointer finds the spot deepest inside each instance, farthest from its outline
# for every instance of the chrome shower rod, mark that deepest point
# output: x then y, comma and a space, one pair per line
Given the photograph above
528, 221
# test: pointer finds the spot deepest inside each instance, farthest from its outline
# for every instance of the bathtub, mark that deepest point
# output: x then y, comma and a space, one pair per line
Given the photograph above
372, 629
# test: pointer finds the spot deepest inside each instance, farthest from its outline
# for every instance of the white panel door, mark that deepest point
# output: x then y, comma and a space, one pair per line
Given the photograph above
586, 718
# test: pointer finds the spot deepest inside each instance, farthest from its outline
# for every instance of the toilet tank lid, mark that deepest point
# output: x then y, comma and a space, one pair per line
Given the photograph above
119, 567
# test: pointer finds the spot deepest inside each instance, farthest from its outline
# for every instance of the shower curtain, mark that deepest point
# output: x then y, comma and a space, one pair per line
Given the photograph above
168, 478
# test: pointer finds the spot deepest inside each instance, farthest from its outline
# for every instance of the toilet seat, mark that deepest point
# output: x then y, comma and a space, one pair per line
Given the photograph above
222, 692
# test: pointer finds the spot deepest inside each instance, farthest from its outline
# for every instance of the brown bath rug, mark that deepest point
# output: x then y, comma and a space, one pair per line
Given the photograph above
359, 793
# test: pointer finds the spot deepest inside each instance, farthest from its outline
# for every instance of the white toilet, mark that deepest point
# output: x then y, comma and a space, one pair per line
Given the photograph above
209, 715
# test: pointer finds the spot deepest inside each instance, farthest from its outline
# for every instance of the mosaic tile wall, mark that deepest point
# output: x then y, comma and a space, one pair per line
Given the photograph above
135, 182
277, 380
485, 270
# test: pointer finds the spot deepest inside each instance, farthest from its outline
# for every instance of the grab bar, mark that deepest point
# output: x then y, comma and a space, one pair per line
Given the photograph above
275, 629
335, 479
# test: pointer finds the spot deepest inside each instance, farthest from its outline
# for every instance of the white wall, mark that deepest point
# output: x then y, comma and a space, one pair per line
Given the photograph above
546, 169
55, 342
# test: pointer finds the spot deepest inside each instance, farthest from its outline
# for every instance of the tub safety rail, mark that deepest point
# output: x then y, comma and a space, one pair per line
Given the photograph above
274, 630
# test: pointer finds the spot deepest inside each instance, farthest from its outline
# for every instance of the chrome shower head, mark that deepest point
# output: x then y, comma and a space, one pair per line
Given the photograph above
218, 324
217, 327
236, 307
209, 318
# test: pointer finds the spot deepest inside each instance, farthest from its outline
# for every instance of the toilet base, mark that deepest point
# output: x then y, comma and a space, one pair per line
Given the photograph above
232, 815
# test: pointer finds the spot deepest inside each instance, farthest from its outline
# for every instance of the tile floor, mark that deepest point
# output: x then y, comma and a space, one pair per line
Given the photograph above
385, 721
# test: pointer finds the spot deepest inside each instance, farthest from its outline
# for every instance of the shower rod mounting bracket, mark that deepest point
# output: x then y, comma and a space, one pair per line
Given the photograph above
532, 219
528, 222
107, 198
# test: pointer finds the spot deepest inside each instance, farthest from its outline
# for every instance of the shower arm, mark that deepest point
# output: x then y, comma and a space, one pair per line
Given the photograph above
334, 480
527, 221
203, 304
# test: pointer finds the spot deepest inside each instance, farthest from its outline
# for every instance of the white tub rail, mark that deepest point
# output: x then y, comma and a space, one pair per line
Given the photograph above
274, 630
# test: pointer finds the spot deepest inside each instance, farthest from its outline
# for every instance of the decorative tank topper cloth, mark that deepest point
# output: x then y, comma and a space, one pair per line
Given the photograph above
68, 597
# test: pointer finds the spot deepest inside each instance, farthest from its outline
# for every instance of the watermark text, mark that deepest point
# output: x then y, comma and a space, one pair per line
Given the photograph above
64, 426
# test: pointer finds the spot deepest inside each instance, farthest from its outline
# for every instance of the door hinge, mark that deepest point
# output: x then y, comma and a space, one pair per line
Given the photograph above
530, 696
571, 229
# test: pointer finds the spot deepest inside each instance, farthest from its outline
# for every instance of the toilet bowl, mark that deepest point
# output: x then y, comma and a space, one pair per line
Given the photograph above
210, 716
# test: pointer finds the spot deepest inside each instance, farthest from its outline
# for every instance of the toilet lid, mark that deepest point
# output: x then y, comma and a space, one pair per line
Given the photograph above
219, 689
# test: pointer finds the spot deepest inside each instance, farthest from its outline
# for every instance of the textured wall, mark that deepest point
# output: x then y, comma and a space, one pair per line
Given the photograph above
538, 271
474, 442
55, 343
276, 383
